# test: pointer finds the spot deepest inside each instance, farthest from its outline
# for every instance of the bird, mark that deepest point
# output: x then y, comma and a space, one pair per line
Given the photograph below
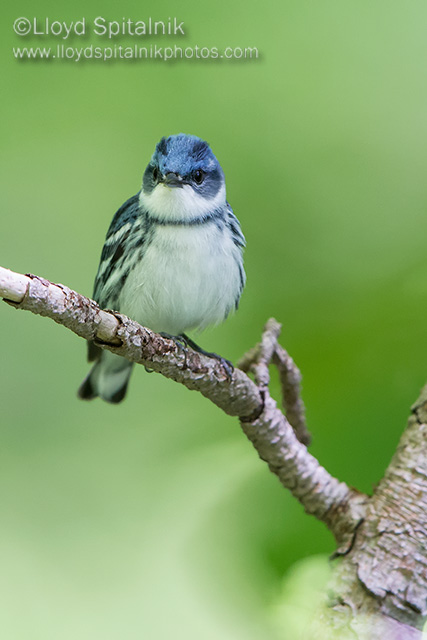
172, 258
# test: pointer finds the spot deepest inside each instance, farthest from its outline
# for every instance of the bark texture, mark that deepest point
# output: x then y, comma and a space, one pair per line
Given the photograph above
379, 585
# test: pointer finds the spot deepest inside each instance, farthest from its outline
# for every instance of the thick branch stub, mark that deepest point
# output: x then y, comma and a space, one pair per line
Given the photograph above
382, 583
396, 527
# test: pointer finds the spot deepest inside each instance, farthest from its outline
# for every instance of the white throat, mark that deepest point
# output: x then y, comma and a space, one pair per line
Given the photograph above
176, 203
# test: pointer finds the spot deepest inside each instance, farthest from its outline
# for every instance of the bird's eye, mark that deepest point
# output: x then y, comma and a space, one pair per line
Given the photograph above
199, 176
155, 174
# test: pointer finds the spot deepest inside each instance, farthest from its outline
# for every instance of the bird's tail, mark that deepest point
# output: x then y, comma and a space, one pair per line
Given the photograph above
107, 379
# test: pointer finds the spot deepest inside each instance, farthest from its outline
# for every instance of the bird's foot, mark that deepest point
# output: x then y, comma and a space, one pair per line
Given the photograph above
180, 342
226, 364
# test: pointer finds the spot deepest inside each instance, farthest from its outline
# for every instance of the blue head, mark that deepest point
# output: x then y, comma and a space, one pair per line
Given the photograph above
183, 164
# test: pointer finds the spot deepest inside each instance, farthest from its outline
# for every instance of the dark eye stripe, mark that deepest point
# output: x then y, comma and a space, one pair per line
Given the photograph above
210, 185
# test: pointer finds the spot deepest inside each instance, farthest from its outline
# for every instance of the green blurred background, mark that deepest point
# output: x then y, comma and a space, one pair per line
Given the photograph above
155, 519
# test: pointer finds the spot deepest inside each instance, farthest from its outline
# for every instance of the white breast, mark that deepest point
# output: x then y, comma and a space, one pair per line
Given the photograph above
188, 279
169, 204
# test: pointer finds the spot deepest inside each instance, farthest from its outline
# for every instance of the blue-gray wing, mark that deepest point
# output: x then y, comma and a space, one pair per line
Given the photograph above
114, 263
234, 225
239, 240
125, 239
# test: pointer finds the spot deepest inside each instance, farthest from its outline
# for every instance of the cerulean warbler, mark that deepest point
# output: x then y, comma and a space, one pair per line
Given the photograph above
172, 259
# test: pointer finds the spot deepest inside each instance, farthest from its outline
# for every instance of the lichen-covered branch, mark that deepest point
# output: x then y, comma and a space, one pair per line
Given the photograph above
268, 429
379, 587
119, 334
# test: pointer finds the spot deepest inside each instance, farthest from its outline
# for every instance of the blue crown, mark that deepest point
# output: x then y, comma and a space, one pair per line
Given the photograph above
183, 154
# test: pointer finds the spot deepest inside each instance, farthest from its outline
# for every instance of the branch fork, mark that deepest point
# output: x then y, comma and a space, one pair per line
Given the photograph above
382, 540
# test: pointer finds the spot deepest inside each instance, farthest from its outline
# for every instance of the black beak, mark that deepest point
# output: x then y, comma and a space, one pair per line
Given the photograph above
172, 179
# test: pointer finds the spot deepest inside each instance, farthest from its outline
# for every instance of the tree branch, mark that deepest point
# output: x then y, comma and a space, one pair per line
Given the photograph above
117, 333
381, 585
257, 361
380, 581
322, 495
